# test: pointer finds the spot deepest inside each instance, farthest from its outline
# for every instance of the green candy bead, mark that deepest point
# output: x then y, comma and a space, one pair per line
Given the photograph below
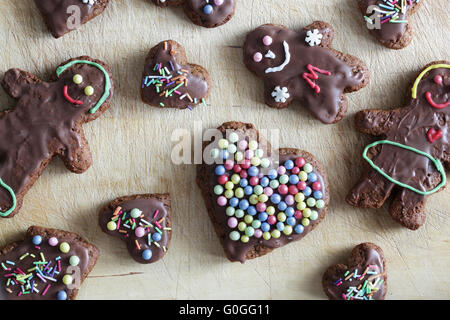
249, 231
242, 226
308, 168
256, 224
135, 213
248, 219
311, 202
314, 215
215, 153
284, 179
258, 190
303, 176
281, 217
74, 261
259, 153
287, 230
233, 137
305, 222
229, 194
239, 213
276, 233
234, 235
235, 178
245, 238
274, 184
265, 163
320, 204
266, 235
64, 247
111, 226
218, 190
230, 211
232, 148
239, 193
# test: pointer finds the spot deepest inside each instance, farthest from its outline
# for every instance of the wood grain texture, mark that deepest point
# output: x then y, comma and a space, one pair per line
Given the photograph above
131, 148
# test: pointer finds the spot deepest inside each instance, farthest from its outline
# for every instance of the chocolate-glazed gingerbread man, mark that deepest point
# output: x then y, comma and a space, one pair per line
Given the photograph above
47, 121
302, 66
205, 13
407, 161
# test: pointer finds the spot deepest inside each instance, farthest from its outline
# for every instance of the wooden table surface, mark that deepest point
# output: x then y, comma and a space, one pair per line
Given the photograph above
131, 146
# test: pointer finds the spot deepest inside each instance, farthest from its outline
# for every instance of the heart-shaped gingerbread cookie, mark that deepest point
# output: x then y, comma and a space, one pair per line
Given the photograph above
364, 278
143, 222
259, 199
169, 81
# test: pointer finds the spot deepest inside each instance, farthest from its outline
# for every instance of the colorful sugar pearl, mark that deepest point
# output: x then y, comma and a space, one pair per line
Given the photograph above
37, 240
147, 254
61, 295
74, 261
265, 204
64, 247
53, 242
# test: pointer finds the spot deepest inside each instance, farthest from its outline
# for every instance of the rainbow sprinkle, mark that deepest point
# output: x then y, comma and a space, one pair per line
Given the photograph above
389, 10
370, 282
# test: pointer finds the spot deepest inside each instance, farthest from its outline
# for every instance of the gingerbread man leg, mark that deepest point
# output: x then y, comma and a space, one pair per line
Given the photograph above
77, 158
408, 209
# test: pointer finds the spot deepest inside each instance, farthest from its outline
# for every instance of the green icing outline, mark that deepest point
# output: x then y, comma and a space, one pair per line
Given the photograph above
436, 163
105, 95
13, 196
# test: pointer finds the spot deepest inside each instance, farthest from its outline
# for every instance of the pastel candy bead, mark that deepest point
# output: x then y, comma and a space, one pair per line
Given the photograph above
305, 222
281, 170
74, 261
300, 162
289, 164
271, 220
262, 216
303, 176
299, 229
317, 186
229, 194
77, 79
266, 235
289, 200
243, 143
265, 227
250, 231
64, 247
234, 235
89, 91
37, 240
299, 197
287, 230
156, 236
223, 143
139, 232
221, 201
256, 224
218, 190
53, 242
233, 137
267, 40
239, 193
257, 57
253, 145
314, 215
61, 295
258, 233
245, 238
275, 233
308, 168
232, 222
215, 153
248, 219
230, 211
232, 148
311, 202
320, 204
208, 9
147, 254
135, 213
242, 226
239, 213
67, 279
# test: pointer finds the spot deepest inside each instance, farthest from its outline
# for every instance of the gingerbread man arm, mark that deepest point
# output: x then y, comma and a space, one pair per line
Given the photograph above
16, 82
325, 29
375, 122
76, 155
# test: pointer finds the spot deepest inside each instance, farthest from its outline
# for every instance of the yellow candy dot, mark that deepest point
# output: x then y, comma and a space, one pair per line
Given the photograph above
223, 143
301, 206
64, 247
111, 226
305, 222
229, 185
239, 156
303, 176
263, 198
239, 193
89, 91
270, 210
255, 161
253, 199
77, 79
276, 233
245, 238
287, 230
229, 194
307, 212
266, 235
299, 197
67, 279
253, 145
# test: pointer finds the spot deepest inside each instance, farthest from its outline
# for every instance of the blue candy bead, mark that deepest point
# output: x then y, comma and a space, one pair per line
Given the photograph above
275, 198
61, 295
282, 206
147, 254
291, 221
243, 183
253, 171
243, 204
263, 216
156, 236
318, 194
264, 182
220, 170
234, 202
289, 211
265, 226
289, 164
299, 228
37, 240
208, 9
252, 210
273, 174
294, 179
312, 177
280, 226
248, 190
307, 192
224, 154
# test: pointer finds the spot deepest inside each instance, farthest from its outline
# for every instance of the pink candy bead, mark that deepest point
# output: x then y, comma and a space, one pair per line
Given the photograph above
317, 186
223, 179
221, 201
295, 170
268, 191
301, 185
272, 220
237, 168
229, 164
243, 144
261, 207
244, 174
53, 242
257, 57
289, 200
249, 154
281, 170
267, 40
254, 181
218, 2
283, 189
139, 232
232, 222
300, 162
246, 164
293, 189
258, 233
298, 214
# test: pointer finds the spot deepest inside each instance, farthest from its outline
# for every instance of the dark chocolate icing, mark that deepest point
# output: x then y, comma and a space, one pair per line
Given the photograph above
78, 247
148, 205
171, 56
44, 124
336, 285
237, 250
56, 15
220, 14
345, 75
391, 32
409, 126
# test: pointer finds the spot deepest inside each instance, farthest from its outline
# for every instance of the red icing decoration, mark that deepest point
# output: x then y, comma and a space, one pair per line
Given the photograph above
312, 75
433, 104
434, 135
69, 98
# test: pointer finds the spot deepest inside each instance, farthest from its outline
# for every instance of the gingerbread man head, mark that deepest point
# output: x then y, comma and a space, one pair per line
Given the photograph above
47, 121
302, 66
407, 161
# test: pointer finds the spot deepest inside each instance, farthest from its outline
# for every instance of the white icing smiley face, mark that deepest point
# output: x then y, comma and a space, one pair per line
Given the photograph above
258, 56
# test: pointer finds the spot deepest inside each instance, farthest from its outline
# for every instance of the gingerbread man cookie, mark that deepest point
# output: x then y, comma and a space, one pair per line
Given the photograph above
49, 264
169, 81
407, 161
205, 13
260, 199
364, 278
143, 222
63, 16
302, 66
388, 20
47, 121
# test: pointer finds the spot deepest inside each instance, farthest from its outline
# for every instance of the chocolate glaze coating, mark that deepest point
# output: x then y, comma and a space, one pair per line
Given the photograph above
56, 17
409, 126
361, 257
148, 204
348, 73
220, 15
86, 251
44, 124
206, 180
172, 56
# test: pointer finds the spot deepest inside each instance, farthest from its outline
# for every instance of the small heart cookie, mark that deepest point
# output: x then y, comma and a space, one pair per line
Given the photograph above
63, 16
259, 199
143, 222
364, 278
169, 81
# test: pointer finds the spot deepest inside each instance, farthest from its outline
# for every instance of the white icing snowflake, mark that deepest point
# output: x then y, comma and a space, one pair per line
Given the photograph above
280, 94
313, 38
